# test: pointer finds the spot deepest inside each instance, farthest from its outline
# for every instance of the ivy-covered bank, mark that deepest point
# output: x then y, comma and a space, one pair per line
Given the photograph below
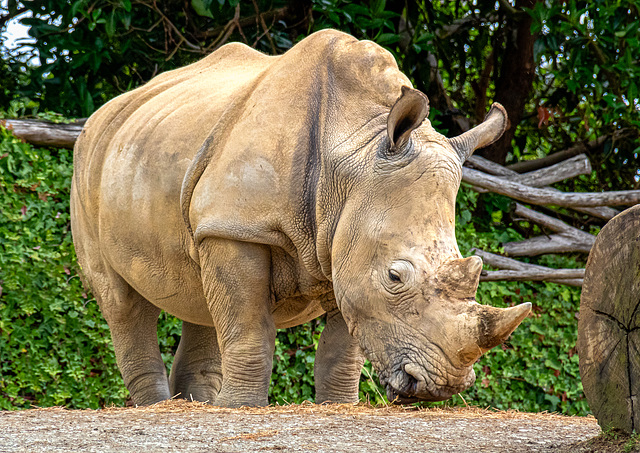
55, 347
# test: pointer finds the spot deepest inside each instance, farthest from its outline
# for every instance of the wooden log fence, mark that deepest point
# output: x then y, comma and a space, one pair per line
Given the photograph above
525, 181
540, 196
578, 165
567, 239
525, 269
43, 133
531, 187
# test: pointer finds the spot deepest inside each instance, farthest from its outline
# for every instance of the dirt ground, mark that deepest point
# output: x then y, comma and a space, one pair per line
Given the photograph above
194, 427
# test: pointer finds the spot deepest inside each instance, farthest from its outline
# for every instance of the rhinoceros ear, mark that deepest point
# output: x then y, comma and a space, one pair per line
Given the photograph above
484, 134
409, 111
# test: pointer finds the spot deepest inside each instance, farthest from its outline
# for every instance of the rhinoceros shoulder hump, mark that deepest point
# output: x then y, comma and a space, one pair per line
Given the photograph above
368, 67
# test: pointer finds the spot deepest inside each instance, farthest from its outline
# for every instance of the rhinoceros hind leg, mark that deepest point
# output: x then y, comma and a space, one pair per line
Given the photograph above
338, 363
196, 373
133, 324
236, 282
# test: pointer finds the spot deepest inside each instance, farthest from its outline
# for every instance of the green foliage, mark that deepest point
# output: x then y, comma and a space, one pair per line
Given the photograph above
588, 85
292, 376
87, 52
633, 444
611, 439
55, 347
366, 21
370, 389
28, 108
585, 55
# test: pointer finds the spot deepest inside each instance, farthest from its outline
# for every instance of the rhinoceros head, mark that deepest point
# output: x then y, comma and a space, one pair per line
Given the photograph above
400, 281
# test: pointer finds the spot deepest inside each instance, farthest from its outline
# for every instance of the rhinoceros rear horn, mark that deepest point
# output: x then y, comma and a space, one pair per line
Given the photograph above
409, 111
460, 277
484, 134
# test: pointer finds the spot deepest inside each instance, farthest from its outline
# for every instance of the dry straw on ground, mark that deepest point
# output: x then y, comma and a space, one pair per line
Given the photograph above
190, 426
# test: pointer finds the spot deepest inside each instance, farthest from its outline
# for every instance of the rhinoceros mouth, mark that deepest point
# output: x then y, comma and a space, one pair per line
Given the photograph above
398, 397
406, 385
395, 398
403, 388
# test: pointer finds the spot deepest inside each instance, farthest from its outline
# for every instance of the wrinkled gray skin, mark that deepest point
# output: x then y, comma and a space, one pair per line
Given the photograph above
246, 193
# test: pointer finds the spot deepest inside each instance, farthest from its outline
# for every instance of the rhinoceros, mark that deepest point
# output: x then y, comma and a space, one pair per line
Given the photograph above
246, 193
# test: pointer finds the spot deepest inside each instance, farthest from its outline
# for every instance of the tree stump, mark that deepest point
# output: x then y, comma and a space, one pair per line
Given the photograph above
609, 325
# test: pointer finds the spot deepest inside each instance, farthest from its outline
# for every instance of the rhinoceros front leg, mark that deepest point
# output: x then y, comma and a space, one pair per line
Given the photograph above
338, 363
196, 373
236, 282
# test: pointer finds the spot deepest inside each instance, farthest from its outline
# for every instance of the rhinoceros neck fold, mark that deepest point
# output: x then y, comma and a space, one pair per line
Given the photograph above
280, 148
214, 142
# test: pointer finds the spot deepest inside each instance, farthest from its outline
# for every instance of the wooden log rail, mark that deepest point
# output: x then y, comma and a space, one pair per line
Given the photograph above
532, 275
43, 133
577, 165
540, 196
567, 239
513, 270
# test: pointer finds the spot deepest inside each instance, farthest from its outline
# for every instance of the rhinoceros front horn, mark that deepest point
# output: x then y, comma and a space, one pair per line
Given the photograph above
484, 134
494, 325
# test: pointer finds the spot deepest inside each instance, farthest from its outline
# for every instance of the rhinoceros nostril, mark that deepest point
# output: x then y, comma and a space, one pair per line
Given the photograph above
412, 378
412, 385
414, 372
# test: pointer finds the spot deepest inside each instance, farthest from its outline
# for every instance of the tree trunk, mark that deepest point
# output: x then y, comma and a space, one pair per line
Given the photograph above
515, 78
609, 324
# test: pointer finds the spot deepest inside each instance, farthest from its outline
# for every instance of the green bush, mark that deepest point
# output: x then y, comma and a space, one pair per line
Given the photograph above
292, 376
55, 347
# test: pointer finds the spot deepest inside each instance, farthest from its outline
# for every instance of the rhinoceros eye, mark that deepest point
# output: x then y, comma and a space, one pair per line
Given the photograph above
399, 276
394, 276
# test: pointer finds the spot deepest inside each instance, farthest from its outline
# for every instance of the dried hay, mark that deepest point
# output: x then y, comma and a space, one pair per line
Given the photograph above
355, 410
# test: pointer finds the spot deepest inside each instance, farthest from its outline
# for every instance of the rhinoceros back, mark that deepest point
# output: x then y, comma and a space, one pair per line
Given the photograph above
174, 112
129, 164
